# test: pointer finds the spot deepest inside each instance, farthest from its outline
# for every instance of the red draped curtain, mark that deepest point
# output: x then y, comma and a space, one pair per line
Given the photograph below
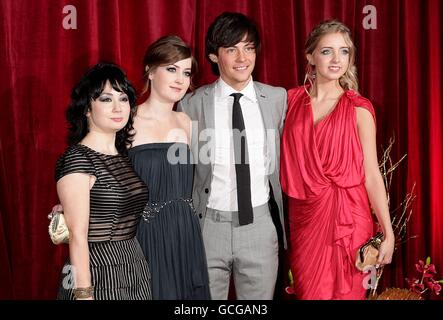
46, 45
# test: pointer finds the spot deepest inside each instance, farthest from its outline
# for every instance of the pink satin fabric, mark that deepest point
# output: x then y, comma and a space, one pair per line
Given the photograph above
329, 213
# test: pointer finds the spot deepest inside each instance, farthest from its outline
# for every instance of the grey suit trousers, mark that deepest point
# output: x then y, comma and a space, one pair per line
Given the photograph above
249, 252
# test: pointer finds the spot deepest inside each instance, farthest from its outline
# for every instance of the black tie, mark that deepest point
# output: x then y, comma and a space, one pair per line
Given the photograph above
245, 215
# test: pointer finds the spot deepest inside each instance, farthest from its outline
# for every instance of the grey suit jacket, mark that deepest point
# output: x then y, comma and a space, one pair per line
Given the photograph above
199, 106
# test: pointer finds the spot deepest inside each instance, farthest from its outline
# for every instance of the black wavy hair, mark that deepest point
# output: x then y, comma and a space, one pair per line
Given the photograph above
227, 30
89, 88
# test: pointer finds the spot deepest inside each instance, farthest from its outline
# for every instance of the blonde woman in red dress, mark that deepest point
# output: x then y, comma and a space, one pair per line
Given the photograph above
329, 170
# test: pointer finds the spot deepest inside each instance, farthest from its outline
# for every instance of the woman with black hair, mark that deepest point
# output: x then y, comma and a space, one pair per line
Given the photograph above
102, 197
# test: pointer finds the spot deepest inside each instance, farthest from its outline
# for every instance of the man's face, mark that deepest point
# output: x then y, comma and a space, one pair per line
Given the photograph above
236, 63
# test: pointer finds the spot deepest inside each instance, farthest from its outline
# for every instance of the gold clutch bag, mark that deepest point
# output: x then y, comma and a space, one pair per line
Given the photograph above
58, 230
367, 254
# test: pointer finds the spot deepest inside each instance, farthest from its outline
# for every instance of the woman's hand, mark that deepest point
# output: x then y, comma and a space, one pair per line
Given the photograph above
55, 209
386, 251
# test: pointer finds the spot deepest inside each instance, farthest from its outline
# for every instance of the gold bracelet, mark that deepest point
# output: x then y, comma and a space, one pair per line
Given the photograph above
83, 293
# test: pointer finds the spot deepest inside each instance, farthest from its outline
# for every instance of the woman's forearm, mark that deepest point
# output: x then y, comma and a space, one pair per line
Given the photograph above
378, 199
79, 255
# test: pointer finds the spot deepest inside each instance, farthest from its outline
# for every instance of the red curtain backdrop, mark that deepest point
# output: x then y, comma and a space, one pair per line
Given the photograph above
400, 70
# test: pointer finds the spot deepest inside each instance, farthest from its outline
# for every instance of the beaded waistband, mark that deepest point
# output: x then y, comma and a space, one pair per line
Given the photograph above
153, 208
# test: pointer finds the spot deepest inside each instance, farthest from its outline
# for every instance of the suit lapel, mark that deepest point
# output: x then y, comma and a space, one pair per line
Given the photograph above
208, 106
269, 124
263, 104
209, 119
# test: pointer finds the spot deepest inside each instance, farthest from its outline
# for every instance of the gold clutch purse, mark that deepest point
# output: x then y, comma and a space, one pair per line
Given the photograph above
367, 254
58, 230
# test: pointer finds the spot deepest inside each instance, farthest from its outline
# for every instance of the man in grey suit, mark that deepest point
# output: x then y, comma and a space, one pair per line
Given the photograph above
237, 124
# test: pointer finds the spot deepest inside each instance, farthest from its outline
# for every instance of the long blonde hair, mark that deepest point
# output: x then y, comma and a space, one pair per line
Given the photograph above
349, 80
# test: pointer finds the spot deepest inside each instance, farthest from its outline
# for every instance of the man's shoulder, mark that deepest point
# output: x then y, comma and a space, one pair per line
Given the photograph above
198, 93
270, 90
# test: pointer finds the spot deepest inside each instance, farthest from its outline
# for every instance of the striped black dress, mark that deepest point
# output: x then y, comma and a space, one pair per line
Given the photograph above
119, 270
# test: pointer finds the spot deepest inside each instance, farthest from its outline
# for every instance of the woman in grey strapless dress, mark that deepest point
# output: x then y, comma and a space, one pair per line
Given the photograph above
169, 232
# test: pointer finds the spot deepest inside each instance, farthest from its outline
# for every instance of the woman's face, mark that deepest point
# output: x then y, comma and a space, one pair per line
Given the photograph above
109, 113
330, 57
171, 82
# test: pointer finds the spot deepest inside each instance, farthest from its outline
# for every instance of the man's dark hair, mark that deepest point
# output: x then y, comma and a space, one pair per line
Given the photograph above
227, 30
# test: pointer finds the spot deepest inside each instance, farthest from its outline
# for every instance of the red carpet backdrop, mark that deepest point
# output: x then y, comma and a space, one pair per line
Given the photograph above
46, 45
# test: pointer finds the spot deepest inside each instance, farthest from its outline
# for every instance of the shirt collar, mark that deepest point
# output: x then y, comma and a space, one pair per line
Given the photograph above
223, 90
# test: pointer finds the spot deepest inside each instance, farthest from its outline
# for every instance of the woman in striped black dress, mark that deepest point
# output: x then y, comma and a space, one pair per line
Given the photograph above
102, 197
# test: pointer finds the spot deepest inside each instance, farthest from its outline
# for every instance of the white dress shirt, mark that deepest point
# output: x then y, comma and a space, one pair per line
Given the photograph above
223, 186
